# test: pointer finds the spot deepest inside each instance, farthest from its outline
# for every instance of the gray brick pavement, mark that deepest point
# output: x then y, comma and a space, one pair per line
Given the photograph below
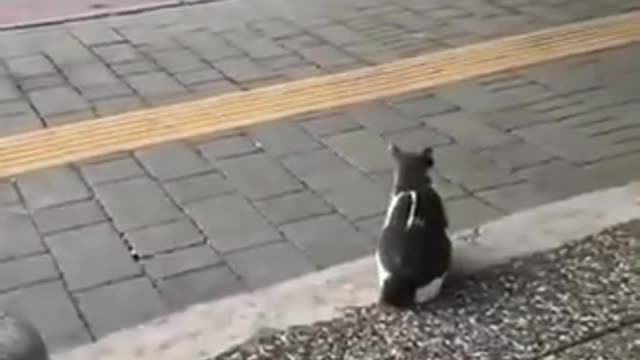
198, 220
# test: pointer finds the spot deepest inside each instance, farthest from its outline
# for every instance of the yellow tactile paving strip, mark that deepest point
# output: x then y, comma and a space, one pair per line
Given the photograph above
74, 142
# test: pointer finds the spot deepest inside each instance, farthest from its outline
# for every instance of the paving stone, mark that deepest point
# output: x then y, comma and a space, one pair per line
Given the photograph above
91, 33
198, 187
372, 52
328, 240
269, 264
258, 176
118, 53
8, 194
108, 91
329, 124
111, 170
472, 170
468, 212
517, 197
69, 118
326, 56
292, 207
89, 75
117, 105
211, 47
322, 170
164, 237
179, 60
518, 155
560, 179
381, 119
336, 34
41, 82
231, 223
300, 72
507, 120
52, 187
283, 139
26, 271
362, 149
371, 226
276, 28
57, 100
417, 139
214, 88
357, 199
134, 68
300, 42
68, 216
445, 188
180, 261
136, 203
617, 171
242, 69
254, 45
199, 286
48, 307
466, 130
109, 308
8, 89
172, 161
154, 85
473, 98
563, 142
18, 236
283, 62
196, 77
565, 77
30, 66
423, 106
227, 147
91, 256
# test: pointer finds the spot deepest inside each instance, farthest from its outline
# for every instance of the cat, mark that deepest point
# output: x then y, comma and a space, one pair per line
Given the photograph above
414, 250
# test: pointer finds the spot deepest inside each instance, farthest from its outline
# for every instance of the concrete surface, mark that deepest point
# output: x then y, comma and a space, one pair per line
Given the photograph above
208, 329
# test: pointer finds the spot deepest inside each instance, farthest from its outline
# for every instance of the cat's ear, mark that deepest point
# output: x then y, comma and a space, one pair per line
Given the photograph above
395, 151
427, 156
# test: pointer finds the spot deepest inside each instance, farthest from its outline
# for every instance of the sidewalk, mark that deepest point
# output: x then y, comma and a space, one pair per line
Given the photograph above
188, 222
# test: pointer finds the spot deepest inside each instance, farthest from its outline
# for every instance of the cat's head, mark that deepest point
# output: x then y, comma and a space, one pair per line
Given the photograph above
411, 170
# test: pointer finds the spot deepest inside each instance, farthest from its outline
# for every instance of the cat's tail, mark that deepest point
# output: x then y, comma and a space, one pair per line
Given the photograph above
398, 292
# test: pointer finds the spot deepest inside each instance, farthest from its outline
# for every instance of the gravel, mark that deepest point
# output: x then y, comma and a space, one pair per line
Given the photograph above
583, 294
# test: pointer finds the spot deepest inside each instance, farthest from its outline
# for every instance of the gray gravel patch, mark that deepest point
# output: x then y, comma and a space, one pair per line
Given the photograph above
531, 308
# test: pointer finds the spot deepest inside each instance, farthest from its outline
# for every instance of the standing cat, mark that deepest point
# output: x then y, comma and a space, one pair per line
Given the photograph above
414, 251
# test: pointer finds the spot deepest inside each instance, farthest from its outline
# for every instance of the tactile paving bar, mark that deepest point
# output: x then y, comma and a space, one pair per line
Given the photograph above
80, 141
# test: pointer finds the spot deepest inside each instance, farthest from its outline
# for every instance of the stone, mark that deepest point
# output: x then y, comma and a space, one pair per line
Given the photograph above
330, 124
164, 237
91, 256
117, 105
469, 212
109, 308
18, 236
416, 140
322, 170
155, 85
68, 216
52, 187
327, 240
90, 75
242, 69
30, 66
27, 271
8, 194
136, 203
468, 131
358, 199
118, 53
49, 308
381, 119
269, 264
519, 155
362, 149
514, 198
178, 61
172, 161
254, 45
336, 34
561, 179
423, 106
326, 56
200, 76
57, 100
258, 176
165, 265
291, 207
198, 187
111, 171
231, 223
283, 139
199, 286
227, 147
